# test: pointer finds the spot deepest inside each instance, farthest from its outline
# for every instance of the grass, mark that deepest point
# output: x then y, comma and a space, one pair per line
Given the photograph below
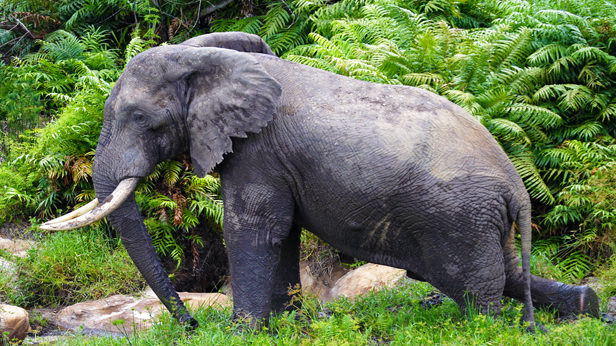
71, 267
390, 317
76, 266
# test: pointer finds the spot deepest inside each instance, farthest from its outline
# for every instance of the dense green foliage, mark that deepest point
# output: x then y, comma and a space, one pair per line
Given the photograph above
49, 169
390, 317
539, 74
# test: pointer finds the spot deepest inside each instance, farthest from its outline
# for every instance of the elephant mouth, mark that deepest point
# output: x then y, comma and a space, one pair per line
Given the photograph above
93, 211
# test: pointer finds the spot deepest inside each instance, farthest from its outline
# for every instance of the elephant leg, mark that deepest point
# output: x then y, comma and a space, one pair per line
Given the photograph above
567, 300
287, 273
472, 278
257, 224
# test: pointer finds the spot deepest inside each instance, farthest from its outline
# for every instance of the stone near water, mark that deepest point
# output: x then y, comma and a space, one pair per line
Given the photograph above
14, 323
119, 315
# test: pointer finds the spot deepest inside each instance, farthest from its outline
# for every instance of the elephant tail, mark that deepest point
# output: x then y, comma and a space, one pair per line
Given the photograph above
524, 222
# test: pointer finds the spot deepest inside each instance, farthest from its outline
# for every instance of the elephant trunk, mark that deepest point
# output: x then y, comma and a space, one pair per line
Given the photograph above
128, 223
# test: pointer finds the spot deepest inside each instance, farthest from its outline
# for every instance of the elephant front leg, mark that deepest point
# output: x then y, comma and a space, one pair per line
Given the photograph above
287, 276
252, 279
254, 242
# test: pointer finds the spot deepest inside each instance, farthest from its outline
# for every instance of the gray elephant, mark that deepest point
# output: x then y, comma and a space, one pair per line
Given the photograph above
388, 174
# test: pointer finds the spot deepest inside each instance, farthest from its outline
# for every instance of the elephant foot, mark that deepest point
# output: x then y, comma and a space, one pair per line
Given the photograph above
607, 318
188, 322
589, 302
535, 328
247, 320
574, 301
583, 302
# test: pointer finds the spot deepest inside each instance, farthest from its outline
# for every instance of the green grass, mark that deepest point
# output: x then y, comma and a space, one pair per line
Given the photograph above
71, 267
390, 317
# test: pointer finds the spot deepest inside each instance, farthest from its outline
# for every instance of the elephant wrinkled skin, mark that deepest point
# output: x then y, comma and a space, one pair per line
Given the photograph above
389, 174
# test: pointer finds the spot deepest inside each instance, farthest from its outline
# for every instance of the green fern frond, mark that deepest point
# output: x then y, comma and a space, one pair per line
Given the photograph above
508, 131
172, 172
512, 50
559, 17
465, 100
551, 91
583, 52
609, 112
288, 39
548, 54
494, 99
593, 75
529, 173
519, 80
276, 19
533, 115
434, 80
588, 130
134, 47
62, 45
313, 62
576, 98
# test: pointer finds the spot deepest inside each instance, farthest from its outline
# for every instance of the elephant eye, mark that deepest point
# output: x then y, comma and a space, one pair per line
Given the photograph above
139, 118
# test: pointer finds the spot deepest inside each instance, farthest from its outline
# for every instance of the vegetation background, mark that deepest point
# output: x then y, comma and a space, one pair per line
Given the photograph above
539, 74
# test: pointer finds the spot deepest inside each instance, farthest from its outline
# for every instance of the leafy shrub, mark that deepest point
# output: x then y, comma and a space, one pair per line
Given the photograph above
587, 214
607, 274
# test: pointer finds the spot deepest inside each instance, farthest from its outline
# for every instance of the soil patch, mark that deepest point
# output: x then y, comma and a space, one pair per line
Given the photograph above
18, 230
43, 326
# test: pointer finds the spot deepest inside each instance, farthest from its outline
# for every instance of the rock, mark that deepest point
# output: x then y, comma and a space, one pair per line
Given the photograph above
593, 282
14, 323
17, 247
320, 283
367, 278
611, 305
147, 293
7, 268
118, 314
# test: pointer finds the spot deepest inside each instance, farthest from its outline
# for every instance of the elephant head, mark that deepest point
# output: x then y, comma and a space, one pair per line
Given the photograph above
168, 101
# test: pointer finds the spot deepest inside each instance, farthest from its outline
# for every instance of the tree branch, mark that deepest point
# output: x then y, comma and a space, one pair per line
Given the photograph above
18, 27
214, 7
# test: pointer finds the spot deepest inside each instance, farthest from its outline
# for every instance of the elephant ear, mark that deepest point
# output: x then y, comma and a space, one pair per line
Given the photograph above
229, 95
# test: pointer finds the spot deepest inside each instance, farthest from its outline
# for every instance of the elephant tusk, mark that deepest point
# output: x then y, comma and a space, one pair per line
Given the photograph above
111, 203
86, 208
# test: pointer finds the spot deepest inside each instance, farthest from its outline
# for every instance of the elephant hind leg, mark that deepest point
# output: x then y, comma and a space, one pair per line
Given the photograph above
481, 296
567, 300
473, 279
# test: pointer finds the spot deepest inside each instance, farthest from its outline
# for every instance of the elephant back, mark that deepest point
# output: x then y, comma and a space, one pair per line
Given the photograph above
239, 41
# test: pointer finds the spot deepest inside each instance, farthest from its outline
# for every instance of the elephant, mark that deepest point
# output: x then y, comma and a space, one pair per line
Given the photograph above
394, 175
